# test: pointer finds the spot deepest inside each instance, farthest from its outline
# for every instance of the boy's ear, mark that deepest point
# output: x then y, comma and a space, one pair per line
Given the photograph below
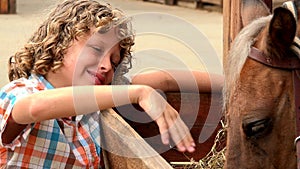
282, 28
253, 9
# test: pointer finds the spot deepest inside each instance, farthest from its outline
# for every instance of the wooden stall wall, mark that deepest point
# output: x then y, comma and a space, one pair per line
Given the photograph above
194, 109
130, 121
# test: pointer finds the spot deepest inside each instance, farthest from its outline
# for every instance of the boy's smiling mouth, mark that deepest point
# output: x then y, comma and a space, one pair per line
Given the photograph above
98, 78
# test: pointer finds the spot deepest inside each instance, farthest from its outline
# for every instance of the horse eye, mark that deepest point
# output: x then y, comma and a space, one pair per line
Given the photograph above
257, 128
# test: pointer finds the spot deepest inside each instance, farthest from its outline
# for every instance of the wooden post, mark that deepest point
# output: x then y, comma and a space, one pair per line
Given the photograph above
12, 6
232, 22
7, 6
3, 6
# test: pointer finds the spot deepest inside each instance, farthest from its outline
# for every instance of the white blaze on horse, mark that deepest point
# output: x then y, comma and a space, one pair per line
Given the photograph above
261, 76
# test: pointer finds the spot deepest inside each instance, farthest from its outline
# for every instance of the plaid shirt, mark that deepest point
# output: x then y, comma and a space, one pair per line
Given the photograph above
58, 143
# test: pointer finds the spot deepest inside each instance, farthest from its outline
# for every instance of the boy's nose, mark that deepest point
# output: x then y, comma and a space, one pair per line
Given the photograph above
105, 64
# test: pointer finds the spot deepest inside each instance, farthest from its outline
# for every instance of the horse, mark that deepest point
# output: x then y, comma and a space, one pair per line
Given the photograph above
259, 93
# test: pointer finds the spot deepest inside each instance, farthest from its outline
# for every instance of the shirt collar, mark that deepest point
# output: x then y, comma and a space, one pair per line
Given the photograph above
42, 80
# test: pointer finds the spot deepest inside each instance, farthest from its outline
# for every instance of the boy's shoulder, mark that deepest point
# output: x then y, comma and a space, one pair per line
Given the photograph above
30, 85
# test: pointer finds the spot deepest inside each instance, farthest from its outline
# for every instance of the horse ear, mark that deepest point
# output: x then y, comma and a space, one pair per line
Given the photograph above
294, 7
253, 9
297, 4
282, 29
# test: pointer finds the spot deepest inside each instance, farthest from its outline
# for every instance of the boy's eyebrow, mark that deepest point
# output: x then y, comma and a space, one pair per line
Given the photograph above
95, 41
103, 30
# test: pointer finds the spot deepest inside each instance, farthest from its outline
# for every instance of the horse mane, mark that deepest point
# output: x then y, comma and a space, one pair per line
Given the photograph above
238, 54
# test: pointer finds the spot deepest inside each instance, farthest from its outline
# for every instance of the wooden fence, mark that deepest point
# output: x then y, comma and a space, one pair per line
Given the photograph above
190, 3
8, 6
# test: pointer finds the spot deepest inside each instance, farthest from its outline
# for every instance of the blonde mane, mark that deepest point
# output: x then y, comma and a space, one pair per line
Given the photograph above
238, 55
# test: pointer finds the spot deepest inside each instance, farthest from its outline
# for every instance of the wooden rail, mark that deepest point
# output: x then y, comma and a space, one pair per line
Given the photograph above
119, 152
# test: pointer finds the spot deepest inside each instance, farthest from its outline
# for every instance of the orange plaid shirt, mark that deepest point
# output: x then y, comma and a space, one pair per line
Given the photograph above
57, 143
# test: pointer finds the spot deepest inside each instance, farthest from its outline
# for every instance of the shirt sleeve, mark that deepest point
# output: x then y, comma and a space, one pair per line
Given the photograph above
9, 95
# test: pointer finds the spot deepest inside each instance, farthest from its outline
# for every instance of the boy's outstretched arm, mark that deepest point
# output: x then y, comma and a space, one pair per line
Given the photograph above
72, 101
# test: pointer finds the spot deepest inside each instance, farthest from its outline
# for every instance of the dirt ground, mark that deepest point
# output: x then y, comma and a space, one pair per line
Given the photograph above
160, 47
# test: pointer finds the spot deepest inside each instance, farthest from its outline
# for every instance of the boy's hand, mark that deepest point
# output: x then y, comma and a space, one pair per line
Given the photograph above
167, 118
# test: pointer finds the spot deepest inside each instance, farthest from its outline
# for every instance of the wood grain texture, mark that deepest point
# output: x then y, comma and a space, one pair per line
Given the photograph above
4, 6
124, 148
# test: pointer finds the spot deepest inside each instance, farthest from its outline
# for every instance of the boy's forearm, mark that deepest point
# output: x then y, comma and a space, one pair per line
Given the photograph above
71, 101
181, 80
208, 82
157, 80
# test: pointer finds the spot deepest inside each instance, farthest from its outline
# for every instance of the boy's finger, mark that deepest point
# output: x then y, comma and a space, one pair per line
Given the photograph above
180, 147
182, 134
179, 132
187, 137
163, 129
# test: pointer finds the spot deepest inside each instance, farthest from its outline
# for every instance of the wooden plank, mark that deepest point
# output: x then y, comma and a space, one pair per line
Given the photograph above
158, 1
8, 6
4, 6
170, 2
189, 3
167, 2
12, 6
226, 28
232, 24
215, 2
124, 148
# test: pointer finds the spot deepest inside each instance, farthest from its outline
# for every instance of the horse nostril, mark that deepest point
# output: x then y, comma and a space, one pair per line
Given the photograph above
258, 128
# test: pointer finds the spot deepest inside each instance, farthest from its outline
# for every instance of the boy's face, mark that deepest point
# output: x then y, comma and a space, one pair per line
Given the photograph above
92, 60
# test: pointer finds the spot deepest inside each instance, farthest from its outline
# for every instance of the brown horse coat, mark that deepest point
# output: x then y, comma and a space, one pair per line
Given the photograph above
258, 99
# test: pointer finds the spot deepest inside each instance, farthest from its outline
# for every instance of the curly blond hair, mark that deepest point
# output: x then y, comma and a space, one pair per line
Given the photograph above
70, 20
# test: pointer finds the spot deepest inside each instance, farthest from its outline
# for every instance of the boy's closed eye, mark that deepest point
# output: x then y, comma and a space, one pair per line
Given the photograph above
96, 50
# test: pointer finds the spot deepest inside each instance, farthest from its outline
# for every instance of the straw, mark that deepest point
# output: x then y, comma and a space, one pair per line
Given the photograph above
215, 159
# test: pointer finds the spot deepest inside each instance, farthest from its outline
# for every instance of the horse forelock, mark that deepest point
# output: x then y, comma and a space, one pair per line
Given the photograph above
238, 54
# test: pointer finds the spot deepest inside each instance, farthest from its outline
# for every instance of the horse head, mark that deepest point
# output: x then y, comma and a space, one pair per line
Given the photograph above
259, 96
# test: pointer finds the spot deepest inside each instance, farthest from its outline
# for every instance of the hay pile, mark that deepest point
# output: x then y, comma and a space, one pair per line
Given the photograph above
215, 159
